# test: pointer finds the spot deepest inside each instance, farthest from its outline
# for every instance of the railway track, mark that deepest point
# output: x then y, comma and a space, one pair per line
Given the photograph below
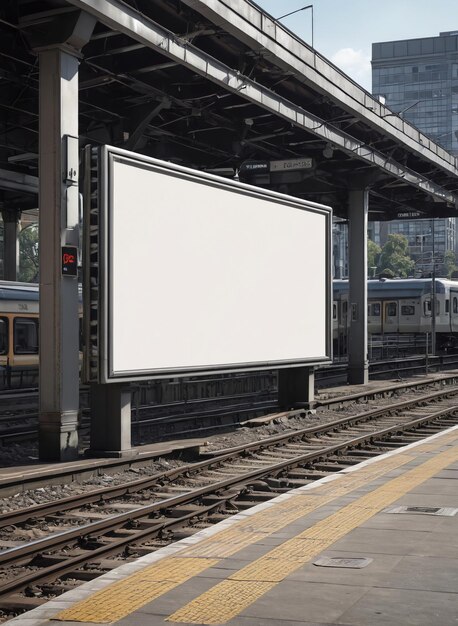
86, 534
166, 420
179, 418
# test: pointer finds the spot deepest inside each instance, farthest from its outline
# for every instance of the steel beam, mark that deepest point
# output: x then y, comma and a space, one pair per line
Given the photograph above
118, 16
17, 181
271, 39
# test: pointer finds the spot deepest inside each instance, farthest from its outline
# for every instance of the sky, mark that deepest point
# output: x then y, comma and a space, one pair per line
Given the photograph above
344, 30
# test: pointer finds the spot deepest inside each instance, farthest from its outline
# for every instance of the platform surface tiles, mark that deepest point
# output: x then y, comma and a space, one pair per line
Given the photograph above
375, 544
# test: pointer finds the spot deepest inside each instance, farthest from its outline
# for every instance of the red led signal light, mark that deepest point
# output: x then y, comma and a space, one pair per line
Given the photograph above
69, 261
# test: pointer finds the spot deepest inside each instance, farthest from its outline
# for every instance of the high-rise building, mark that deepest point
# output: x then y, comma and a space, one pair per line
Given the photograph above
418, 79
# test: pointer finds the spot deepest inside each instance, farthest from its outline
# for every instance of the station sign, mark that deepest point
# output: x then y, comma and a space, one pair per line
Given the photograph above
409, 215
287, 165
254, 167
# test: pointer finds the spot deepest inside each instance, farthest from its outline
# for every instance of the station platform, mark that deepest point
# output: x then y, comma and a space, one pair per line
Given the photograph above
374, 544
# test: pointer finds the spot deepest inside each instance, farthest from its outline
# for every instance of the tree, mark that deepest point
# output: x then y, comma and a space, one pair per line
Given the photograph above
394, 257
450, 263
373, 254
28, 254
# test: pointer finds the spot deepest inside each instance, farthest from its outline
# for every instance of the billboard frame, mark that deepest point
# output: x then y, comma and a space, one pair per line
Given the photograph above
98, 270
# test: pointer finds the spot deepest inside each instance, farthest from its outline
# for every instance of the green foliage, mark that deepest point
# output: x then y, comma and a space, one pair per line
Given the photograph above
387, 273
394, 257
28, 254
373, 254
450, 263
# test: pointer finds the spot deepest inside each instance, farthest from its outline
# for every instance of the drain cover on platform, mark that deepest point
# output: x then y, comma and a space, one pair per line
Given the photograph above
423, 510
353, 563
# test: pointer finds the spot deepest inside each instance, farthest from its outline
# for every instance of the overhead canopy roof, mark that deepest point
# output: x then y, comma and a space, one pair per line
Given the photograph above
217, 86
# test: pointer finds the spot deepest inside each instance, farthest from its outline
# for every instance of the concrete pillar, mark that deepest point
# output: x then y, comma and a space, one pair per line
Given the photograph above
11, 218
58, 215
111, 421
358, 365
296, 388
58, 40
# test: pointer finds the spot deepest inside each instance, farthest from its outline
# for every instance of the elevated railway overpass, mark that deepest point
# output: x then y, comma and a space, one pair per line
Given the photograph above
220, 87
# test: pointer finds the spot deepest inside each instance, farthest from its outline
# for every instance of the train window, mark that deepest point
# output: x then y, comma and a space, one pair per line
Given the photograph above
455, 304
334, 311
373, 309
3, 335
427, 307
391, 309
25, 335
407, 309
447, 306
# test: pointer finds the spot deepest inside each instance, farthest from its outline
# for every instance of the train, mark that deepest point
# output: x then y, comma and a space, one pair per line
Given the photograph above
18, 334
401, 308
397, 308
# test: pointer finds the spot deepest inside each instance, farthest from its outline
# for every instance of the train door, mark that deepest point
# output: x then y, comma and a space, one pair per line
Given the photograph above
23, 355
453, 311
4, 346
390, 318
409, 316
374, 317
342, 337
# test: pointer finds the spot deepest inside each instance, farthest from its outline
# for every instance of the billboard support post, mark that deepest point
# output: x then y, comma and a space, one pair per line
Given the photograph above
110, 420
296, 388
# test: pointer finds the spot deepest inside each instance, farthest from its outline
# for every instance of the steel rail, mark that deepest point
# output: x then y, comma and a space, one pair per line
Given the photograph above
66, 565
210, 459
19, 553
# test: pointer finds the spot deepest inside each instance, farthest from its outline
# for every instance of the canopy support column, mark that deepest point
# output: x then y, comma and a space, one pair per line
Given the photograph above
358, 364
11, 219
58, 43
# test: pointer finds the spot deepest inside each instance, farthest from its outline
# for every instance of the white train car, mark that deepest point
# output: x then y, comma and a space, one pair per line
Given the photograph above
18, 334
401, 307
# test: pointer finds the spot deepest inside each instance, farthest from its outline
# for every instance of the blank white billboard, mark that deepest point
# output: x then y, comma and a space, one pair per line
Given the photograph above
205, 274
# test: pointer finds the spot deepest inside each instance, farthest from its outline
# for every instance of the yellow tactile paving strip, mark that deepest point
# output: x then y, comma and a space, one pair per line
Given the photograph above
123, 597
230, 597
144, 586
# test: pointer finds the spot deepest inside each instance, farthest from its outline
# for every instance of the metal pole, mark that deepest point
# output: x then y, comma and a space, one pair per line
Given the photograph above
309, 6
